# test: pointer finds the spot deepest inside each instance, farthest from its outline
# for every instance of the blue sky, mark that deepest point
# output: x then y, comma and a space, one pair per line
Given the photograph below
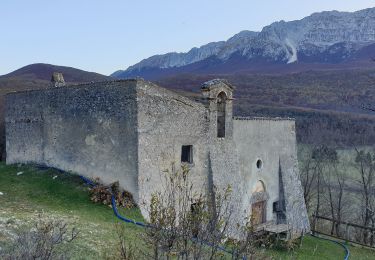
104, 36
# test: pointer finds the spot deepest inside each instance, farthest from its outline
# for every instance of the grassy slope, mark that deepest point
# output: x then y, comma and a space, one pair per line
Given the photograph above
313, 248
35, 191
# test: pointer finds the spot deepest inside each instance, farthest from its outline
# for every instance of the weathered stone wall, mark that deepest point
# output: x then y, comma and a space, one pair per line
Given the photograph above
167, 121
24, 127
273, 141
88, 129
223, 156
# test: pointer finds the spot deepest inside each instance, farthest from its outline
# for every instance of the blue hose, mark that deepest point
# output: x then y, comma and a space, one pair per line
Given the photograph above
87, 181
221, 248
132, 221
127, 220
347, 252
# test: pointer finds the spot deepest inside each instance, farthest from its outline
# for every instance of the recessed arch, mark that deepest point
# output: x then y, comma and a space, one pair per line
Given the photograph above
259, 187
220, 113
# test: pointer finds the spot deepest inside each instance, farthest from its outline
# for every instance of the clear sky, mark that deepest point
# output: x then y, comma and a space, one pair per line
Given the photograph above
107, 35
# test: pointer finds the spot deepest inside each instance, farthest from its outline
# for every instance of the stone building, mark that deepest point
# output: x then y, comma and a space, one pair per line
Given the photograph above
132, 130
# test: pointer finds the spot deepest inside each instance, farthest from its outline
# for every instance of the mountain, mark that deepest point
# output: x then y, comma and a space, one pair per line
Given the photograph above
36, 76
322, 40
42, 71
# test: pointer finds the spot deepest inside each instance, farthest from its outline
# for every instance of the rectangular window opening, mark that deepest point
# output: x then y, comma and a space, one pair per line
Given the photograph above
187, 154
275, 206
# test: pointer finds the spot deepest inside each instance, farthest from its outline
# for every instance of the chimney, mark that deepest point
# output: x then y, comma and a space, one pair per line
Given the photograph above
57, 80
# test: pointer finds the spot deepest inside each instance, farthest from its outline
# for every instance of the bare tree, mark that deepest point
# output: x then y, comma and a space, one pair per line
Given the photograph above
126, 250
336, 185
308, 177
365, 162
324, 157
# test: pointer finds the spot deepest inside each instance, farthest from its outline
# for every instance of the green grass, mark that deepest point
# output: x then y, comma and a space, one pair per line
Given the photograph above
314, 248
65, 197
36, 191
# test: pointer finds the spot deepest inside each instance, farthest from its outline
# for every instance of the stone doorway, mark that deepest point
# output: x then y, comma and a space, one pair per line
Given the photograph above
258, 212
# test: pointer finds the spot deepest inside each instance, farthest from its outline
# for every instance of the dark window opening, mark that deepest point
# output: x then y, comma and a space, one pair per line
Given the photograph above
187, 154
275, 206
259, 164
221, 107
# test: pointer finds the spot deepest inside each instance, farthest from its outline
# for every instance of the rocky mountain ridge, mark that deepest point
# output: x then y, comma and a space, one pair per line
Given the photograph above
325, 37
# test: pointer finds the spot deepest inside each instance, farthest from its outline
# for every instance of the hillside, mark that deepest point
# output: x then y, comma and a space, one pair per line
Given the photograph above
328, 105
63, 196
41, 71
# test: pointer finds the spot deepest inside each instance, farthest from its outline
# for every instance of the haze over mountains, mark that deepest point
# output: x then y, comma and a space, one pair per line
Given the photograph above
326, 40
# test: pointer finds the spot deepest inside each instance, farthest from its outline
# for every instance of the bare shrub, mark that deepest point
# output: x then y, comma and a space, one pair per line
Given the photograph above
43, 241
185, 224
125, 249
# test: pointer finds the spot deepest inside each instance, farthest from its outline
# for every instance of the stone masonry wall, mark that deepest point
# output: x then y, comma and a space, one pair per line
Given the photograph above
273, 141
132, 131
167, 121
88, 129
24, 127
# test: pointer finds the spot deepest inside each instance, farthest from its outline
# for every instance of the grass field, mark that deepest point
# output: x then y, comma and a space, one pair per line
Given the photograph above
35, 191
38, 191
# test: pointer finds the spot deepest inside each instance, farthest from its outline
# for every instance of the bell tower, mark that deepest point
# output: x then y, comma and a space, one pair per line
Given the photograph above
219, 96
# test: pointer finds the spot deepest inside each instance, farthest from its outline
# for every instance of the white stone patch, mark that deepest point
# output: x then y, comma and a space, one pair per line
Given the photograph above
1, 193
19, 173
293, 57
90, 139
54, 177
112, 141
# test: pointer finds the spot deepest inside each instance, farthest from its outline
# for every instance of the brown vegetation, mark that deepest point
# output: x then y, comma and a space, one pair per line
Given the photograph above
324, 103
103, 194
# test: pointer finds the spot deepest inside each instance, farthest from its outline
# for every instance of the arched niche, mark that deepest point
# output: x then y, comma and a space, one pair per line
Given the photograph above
221, 111
259, 187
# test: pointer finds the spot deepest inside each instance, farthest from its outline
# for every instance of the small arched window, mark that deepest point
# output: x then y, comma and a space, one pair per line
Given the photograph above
221, 106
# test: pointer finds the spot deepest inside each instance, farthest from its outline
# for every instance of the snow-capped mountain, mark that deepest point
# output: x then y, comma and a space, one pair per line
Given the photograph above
326, 37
